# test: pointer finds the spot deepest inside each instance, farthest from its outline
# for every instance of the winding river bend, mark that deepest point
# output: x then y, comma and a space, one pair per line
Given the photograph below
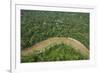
78, 46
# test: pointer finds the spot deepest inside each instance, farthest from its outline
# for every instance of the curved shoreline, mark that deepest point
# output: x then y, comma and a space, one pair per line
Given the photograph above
78, 46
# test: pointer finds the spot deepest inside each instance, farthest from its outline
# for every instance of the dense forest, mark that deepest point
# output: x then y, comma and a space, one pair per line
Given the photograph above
37, 26
40, 25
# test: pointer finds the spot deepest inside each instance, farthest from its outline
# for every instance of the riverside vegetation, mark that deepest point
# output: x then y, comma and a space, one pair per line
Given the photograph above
37, 26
